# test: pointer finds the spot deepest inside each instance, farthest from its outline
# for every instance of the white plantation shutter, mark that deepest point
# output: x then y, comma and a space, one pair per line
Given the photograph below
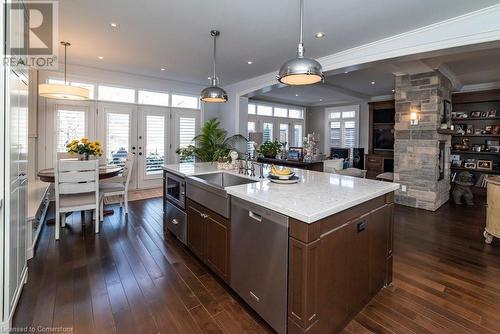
187, 131
70, 125
268, 132
117, 138
343, 128
155, 143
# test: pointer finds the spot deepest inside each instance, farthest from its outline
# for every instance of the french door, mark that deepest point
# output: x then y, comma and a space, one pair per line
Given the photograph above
151, 133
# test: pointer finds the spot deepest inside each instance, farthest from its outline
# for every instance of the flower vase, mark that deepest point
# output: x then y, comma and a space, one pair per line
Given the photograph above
83, 156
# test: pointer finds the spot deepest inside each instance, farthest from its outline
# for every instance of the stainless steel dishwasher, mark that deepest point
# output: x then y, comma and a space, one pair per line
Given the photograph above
259, 260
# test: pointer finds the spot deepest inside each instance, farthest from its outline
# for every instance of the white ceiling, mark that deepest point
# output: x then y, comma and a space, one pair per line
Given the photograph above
466, 68
175, 33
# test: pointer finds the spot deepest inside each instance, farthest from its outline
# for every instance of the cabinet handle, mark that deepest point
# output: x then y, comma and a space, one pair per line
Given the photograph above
255, 216
361, 226
175, 222
204, 215
254, 296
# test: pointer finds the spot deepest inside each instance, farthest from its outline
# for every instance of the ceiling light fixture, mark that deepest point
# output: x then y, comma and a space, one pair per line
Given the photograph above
63, 91
319, 34
213, 93
301, 70
320, 100
114, 25
249, 62
393, 90
297, 95
101, 57
162, 69
373, 82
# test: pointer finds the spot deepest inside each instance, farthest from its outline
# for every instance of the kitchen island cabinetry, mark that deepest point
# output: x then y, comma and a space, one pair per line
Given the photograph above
208, 238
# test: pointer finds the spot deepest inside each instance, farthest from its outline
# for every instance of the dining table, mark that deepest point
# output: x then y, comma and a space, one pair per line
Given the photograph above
105, 172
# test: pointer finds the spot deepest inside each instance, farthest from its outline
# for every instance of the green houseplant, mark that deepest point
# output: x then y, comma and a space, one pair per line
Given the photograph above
211, 144
270, 149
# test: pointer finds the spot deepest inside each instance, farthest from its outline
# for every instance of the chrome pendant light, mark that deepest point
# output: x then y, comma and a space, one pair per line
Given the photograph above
213, 93
301, 70
63, 91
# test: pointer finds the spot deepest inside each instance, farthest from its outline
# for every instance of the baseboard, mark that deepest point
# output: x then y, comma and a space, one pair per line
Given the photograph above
7, 324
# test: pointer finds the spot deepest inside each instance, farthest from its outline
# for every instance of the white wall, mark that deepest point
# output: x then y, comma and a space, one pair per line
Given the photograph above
316, 122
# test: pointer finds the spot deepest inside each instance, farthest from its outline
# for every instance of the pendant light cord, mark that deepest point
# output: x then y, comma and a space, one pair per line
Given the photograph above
215, 48
300, 49
65, 47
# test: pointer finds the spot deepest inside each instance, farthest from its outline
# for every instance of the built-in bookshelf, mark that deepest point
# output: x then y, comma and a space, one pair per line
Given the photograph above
476, 135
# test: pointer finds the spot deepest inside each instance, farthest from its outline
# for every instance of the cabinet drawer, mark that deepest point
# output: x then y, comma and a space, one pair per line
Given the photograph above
370, 159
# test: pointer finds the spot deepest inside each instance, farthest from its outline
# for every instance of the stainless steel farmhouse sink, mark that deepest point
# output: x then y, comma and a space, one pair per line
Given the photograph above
208, 190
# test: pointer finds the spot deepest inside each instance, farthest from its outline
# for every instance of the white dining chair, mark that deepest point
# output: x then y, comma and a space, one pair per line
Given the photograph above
118, 185
77, 189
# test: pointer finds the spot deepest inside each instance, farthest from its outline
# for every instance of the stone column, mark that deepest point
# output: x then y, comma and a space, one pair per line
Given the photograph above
416, 147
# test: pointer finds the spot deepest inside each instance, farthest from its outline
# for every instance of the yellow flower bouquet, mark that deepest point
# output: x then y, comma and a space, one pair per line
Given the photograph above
83, 147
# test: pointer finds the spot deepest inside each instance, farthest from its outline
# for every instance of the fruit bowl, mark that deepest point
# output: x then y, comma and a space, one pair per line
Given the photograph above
281, 177
281, 174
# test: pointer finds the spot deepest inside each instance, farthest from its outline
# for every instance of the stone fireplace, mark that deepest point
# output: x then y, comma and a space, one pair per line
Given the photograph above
421, 153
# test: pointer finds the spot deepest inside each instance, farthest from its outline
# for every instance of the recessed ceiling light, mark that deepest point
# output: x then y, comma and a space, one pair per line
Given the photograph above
319, 34
373, 82
345, 72
296, 94
101, 57
393, 90
162, 69
320, 100
113, 24
249, 62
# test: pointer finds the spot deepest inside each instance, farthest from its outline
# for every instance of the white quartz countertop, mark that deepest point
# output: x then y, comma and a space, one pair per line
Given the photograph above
316, 196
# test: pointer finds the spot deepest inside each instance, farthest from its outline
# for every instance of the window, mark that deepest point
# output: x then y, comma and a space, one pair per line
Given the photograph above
264, 110
116, 94
280, 112
268, 131
297, 135
251, 127
342, 127
251, 109
155, 144
153, 98
70, 125
90, 87
185, 101
295, 113
117, 138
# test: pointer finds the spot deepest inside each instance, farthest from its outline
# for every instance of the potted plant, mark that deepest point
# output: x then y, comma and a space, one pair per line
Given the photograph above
84, 148
270, 149
211, 144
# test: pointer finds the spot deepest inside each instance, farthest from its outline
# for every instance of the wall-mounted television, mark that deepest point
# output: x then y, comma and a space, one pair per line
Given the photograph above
383, 139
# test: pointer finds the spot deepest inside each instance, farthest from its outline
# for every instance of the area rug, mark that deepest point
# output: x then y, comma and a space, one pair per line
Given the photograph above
136, 195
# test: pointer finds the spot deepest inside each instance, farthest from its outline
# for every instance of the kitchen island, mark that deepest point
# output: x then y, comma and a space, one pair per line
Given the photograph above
306, 257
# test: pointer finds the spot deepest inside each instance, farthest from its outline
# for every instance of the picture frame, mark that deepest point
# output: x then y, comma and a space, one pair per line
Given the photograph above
476, 148
470, 165
460, 129
494, 149
485, 165
456, 163
295, 153
475, 114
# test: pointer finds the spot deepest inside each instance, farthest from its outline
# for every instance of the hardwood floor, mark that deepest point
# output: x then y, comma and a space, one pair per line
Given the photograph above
129, 279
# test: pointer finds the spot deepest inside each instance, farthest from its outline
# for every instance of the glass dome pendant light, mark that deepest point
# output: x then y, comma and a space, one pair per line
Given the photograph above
213, 93
301, 70
63, 91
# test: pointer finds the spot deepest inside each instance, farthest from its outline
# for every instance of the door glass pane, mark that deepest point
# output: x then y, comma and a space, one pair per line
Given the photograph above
251, 127
349, 134
155, 144
268, 131
187, 131
117, 138
284, 134
116, 94
70, 125
251, 109
297, 133
335, 137
184, 101
153, 98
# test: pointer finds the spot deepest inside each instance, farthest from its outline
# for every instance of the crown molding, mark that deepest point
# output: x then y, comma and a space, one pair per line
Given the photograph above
479, 87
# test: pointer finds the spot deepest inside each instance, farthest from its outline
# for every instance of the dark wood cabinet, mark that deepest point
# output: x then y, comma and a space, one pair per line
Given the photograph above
208, 237
336, 265
196, 230
376, 164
